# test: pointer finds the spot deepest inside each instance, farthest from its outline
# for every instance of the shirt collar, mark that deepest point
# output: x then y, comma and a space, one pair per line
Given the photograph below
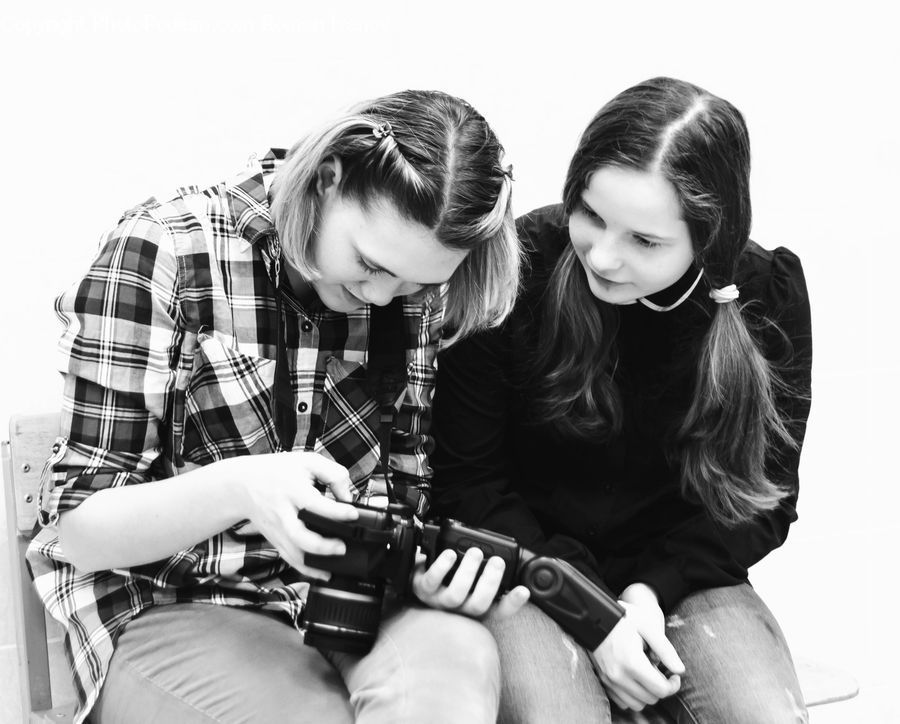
248, 196
672, 296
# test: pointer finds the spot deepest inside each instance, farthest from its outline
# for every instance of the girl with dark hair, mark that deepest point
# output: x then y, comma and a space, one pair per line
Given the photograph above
640, 414
214, 358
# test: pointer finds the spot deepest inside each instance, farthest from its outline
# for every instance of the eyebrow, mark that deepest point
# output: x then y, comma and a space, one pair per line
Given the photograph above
657, 237
652, 236
375, 265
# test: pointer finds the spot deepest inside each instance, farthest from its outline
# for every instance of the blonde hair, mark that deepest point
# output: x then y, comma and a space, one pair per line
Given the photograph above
434, 158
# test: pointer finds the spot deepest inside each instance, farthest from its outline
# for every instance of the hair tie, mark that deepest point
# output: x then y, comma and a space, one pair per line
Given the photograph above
382, 130
725, 294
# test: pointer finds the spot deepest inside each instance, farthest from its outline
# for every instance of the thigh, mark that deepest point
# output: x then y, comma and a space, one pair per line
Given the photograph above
738, 666
546, 677
192, 663
426, 665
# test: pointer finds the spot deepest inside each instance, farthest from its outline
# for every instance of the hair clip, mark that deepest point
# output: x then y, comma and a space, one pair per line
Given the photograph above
508, 172
725, 294
382, 130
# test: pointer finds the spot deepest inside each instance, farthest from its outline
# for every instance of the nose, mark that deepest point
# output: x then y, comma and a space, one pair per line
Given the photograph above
603, 255
380, 292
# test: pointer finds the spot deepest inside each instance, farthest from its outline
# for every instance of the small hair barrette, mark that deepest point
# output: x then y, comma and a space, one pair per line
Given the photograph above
725, 294
508, 172
382, 130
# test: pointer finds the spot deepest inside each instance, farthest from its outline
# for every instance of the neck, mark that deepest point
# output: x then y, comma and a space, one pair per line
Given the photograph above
301, 288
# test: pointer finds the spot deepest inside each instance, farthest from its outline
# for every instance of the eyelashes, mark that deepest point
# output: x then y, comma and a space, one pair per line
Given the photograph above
595, 218
369, 269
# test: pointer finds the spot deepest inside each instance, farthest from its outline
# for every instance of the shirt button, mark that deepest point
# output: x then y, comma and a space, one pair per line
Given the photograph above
302, 407
306, 326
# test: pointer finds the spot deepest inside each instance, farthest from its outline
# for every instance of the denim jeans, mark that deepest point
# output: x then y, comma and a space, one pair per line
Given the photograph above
738, 668
192, 663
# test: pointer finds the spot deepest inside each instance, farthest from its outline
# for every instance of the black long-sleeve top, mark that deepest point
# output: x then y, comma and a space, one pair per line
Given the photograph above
614, 508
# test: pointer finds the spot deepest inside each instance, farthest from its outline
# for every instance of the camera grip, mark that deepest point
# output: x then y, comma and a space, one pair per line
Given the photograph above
366, 538
459, 537
577, 604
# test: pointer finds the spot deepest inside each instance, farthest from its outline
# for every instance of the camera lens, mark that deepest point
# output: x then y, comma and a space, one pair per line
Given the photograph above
343, 615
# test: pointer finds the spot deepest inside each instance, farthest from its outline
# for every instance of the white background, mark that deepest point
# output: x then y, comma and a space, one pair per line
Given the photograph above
103, 107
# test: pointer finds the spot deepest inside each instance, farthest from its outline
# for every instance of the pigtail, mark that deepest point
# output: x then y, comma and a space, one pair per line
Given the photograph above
732, 422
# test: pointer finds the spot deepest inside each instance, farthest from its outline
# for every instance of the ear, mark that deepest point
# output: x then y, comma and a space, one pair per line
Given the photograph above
328, 176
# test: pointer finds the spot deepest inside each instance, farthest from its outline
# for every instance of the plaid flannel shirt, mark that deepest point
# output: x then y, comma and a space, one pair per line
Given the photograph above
168, 356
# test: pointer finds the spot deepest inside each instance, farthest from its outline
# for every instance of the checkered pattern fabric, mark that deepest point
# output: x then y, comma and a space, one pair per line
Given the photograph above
168, 355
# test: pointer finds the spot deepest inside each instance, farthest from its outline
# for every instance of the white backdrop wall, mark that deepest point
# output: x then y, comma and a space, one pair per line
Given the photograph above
104, 106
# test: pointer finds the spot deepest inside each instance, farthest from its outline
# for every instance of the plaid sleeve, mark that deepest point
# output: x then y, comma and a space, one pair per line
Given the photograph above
411, 442
117, 353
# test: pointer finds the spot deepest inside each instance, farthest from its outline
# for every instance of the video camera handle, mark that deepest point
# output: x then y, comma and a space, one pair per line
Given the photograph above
580, 607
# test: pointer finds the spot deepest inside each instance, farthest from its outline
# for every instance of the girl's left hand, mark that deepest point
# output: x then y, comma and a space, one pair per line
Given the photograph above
467, 593
626, 656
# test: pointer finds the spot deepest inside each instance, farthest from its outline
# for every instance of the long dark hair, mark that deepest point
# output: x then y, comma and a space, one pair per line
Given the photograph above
699, 143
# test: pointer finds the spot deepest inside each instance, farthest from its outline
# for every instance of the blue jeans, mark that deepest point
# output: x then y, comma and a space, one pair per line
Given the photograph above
738, 668
199, 663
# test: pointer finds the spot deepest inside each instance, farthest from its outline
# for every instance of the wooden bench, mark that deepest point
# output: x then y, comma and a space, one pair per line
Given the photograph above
31, 438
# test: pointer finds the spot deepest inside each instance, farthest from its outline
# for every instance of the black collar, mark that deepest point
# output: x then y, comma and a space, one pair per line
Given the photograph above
673, 295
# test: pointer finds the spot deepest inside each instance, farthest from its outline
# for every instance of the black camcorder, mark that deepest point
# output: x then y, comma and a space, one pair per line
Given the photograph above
343, 614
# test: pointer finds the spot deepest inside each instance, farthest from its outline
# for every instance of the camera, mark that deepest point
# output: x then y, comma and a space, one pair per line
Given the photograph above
343, 614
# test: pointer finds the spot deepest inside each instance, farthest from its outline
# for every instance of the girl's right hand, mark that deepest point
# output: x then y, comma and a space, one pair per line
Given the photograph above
627, 672
469, 593
274, 487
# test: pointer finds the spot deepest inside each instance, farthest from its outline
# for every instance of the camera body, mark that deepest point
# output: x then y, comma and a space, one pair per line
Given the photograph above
343, 613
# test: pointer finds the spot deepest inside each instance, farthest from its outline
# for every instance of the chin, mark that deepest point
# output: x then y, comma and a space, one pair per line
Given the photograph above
339, 299
623, 296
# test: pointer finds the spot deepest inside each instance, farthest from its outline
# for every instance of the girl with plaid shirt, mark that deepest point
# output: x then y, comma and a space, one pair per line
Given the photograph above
171, 548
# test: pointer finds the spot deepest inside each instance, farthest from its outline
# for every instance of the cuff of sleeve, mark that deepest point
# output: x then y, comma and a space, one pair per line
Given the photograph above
52, 486
577, 555
670, 587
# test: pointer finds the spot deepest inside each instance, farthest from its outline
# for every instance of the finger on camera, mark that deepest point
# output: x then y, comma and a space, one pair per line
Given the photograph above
433, 578
468, 571
512, 602
458, 590
488, 583
311, 542
325, 471
316, 573
317, 503
296, 560
482, 596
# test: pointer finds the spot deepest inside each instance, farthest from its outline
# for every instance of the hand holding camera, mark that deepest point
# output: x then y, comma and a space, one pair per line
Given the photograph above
343, 614
467, 583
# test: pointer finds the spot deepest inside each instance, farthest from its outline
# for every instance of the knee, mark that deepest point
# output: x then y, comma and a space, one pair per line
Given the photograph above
466, 642
749, 705
451, 669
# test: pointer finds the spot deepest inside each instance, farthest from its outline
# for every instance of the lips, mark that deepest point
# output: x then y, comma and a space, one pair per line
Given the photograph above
608, 282
353, 296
